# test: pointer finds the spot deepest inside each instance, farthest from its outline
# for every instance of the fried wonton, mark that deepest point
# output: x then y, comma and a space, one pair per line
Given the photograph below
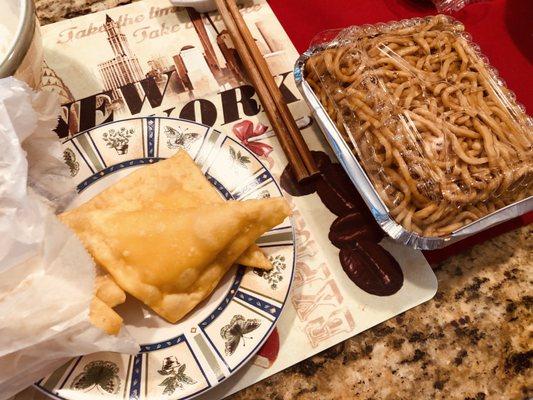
104, 317
173, 183
107, 294
173, 259
107, 290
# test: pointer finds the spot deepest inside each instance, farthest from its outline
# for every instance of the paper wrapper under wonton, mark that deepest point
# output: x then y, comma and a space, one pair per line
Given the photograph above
46, 276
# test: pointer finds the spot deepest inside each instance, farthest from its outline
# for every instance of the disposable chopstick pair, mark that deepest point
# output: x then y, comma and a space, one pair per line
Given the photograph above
276, 108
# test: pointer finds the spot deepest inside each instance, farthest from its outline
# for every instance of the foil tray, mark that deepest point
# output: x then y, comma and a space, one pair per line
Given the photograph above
371, 197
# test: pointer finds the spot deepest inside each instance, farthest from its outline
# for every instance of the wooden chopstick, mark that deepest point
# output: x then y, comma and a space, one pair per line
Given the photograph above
273, 88
269, 94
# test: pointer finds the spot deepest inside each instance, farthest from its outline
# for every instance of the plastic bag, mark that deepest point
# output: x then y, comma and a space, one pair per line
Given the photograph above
46, 276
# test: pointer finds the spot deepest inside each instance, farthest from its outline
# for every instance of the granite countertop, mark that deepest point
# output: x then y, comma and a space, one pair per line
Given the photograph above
472, 341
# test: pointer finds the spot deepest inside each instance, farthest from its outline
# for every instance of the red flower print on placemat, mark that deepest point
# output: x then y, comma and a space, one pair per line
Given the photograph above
245, 130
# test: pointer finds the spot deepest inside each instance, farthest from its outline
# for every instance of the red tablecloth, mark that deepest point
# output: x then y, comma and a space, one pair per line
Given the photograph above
502, 28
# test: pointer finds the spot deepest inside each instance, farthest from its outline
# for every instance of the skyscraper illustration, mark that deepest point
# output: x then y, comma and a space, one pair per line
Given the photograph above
225, 71
53, 83
50, 81
124, 67
196, 69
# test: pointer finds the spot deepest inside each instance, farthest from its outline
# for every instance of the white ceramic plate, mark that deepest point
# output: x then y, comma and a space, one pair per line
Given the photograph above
179, 361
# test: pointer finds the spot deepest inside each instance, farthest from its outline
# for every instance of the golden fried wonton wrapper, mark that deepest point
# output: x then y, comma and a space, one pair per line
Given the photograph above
173, 259
107, 290
173, 183
104, 317
107, 294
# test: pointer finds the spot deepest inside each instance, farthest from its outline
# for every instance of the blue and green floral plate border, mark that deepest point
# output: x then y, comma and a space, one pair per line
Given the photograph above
186, 359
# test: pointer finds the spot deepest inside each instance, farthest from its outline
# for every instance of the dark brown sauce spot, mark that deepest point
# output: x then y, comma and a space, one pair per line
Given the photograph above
337, 191
353, 227
372, 268
294, 188
355, 232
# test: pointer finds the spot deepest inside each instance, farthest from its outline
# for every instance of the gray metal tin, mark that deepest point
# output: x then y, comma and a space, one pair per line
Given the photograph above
364, 186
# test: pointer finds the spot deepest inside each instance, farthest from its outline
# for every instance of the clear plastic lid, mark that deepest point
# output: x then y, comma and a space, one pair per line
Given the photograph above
450, 5
440, 136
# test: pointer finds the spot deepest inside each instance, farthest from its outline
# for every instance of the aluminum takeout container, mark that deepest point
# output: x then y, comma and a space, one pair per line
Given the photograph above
371, 197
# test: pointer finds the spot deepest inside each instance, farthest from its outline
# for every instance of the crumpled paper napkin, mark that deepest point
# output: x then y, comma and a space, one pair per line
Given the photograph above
46, 275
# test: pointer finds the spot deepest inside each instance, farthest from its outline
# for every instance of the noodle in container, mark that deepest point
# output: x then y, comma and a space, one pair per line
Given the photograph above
429, 134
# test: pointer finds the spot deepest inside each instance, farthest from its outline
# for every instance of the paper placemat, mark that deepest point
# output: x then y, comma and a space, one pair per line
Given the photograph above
149, 58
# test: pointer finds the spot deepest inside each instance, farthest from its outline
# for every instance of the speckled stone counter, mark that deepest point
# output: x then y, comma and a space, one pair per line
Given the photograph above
473, 341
